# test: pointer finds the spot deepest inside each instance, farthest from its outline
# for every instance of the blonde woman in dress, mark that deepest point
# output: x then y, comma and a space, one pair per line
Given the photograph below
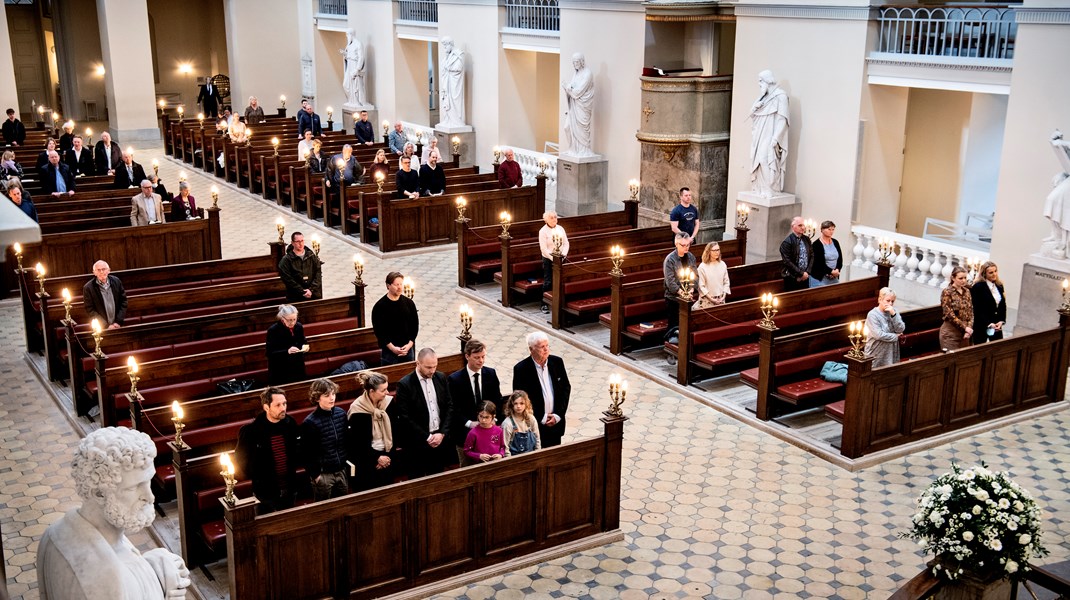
712, 278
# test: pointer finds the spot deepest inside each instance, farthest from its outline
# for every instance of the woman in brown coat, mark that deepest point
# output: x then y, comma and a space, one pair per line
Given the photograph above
957, 328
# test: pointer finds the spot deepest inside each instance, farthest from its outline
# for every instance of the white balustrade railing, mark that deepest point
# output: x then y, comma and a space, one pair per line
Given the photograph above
425, 134
535, 15
422, 11
529, 165
981, 31
925, 262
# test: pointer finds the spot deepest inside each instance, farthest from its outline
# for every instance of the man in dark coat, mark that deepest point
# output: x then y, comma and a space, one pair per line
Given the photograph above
129, 174
300, 271
268, 453
107, 155
469, 388
306, 119
80, 159
796, 257
209, 98
104, 298
544, 379
13, 130
56, 177
423, 411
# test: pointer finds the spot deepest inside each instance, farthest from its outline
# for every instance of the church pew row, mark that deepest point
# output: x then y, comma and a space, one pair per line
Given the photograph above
86, 185
918, 399
123, 248
134, 340
135, 281
344, 209
637, 319
789, 364
271, 175
440, 526
201, 527
582, 288
432, 220
724, 338
300, 186
166, 379
480, 248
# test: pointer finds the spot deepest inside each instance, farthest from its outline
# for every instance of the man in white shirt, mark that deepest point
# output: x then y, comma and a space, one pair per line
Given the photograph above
550, 232
544, 379
423, 410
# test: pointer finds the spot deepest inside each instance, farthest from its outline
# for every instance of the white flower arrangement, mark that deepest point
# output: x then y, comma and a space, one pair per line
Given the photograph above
977, 520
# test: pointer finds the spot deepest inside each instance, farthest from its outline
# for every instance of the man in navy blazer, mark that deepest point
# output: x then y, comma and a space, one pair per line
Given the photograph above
423, 412
56, 177
544, 378
466, 401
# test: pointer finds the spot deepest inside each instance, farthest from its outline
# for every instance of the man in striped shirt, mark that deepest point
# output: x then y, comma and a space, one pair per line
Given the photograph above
267, 453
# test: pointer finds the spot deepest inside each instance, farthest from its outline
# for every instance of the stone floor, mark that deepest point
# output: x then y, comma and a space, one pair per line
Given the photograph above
711, 507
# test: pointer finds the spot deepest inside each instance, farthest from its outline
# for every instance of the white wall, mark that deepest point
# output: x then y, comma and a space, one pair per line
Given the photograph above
884, 109
371, 20
330, 67
518, 98
474, 29
9, 97
124, 34
980, 167
1037, 105
410, 83
820, 63
264, 51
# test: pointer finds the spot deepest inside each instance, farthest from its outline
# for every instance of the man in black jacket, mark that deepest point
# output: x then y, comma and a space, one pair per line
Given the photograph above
267, 453
129, 174
300, 271
423, 411
363, 130
469, 388
56, 177
79, 158
544, 378
104, 298
796, 257
209, 98
13, 130
324, 443
107, 155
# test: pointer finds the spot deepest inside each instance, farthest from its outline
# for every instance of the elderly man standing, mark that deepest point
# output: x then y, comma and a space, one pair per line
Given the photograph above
796, 257
107, 155
397, 139
129, 173
86, 553
79, 158
509, 175
549, 232
268, 453
56, 177
677, 259
306, 119
424, 412
104, 298
544, 379
146, 208
301, 271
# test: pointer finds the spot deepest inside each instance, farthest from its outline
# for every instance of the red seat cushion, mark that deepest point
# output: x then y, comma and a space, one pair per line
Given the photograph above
750, 376
660, 326
725, 356
810, 390
836, 409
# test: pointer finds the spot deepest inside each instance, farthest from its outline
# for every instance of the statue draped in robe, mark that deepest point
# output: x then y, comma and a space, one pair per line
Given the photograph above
769, 137
1057, 204
451, 84
354, 83
578, 116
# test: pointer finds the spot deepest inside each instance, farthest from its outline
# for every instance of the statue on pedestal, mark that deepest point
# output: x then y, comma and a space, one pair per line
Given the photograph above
353, 77
86, 555
580, 97
769, 137
1057, 204
451, 84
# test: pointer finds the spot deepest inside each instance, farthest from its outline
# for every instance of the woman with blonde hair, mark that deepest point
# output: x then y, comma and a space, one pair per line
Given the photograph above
379, 165
885, 327
371, 433
989, 304
713, 283
520, 428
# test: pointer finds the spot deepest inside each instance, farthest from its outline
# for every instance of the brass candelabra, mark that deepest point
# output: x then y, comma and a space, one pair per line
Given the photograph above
155, 167
275, 146
215, 197
40, 268
181, 114
742, 214
98, 332
557, 242
176, 419
66, 295
455, 143
542, 166
884, 250
408, 287
857, 334
810, 228
282, 101
497, 155
18, 255
616, 255
228, 478
462, 205
358, 268
769, 304
633, 190
281, 227
379, 178
466, 324
618, 393
315, 245
506, 220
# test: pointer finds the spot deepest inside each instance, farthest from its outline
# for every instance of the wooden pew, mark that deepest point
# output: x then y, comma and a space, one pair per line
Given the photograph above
428, 221
635, 303
479, 249
582, 288
201, 527
724, 337
164, 380
918, 399
465, 180
83, 364
789, 364
442, 525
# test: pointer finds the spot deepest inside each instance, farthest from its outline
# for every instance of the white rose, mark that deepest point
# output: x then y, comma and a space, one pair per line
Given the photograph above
967, 535
976, 509
981, 495
1012, 525
1004, 503
995, 545
1024, 539
1012, 566
1018, 506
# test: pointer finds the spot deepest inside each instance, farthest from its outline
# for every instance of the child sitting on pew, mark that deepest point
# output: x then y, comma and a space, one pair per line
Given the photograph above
486, 442
520, 428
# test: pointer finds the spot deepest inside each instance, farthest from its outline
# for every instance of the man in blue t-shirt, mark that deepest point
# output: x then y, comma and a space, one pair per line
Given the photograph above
684, 216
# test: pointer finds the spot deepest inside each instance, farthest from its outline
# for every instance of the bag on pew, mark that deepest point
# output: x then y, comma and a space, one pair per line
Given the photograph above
350, 367
235, 386
834, 372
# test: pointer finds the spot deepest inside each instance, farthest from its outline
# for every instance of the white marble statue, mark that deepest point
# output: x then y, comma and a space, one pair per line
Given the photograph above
769, 137
451, 84
353, 77
85, 555
580, 96
1057, 204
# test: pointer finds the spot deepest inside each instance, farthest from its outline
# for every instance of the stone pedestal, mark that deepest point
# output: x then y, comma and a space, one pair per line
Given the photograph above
1041, 294
769, 222
349, 122
445, 133
582, 187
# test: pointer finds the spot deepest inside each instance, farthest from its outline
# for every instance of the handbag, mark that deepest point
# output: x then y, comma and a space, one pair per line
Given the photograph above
235, 386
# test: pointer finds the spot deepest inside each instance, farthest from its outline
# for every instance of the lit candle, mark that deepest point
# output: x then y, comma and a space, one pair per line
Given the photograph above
66, 295
95, 324
379, 176
130, 150
176, 409
55, 116
1066, 282
776, 301
248, 133
181, 110
330, 112
40, 270
461, 202
155, 164
88, 131
18, 250
358, 260
163, 103
182, 175
131, 364
200, 116
282, 99
41, 111
865, 331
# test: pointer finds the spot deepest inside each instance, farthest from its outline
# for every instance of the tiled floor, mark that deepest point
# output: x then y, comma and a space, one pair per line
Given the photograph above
711, 507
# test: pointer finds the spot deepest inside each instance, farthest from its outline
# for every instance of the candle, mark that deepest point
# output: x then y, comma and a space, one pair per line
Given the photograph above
379, 176
200, 116
95, 324
176, 408
163, 103
461, 202
358, 260
330, 112
776, 301
275, 141
155, 164
182, 175
18, 250
40, 270
66, 295
282, 100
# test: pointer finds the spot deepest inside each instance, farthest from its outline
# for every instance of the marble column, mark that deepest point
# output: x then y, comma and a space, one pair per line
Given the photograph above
126, 48
9, 97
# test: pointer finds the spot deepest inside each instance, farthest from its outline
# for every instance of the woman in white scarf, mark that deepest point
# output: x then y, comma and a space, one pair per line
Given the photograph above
371, 433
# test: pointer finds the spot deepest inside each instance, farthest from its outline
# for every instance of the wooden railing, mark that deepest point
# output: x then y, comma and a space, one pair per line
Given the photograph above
414, 534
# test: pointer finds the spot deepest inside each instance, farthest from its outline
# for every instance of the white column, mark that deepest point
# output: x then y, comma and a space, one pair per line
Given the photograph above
127, 52
9, 97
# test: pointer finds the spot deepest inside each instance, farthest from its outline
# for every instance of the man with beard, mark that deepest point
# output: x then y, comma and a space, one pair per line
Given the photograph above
267, 453
86, 555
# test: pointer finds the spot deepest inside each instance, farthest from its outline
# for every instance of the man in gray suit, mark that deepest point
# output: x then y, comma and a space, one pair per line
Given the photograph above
146, 207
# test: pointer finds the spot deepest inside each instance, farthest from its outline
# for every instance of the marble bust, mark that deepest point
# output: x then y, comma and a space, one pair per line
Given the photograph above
451, 84
579, 94
86, 555
1057, 203
769, 137
355, 68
